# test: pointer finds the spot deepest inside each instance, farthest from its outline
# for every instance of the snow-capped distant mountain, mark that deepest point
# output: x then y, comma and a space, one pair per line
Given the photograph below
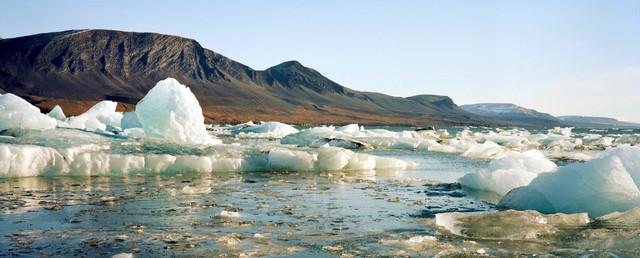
512, 113
592, 121
518, 115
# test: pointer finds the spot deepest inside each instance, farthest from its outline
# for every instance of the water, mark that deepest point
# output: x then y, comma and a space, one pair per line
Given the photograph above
302, 214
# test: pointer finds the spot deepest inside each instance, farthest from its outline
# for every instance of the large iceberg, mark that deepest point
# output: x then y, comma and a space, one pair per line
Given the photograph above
171, 112
609, 182
508, 172
98, 117
17, 113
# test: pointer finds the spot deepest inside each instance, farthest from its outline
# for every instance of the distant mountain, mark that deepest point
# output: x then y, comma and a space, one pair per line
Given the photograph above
512, 113
77, 68
598, 122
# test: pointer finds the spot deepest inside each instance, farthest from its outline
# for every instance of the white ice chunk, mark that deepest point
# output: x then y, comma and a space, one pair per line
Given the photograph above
508, 172
350, 129
171, 112
284, 159
264, 130
18, 160
134, 132
17, 113
564, 131
27, 160
98, 117
487, 150
309, 136
332, 158
229, 214
57, 113
607, 183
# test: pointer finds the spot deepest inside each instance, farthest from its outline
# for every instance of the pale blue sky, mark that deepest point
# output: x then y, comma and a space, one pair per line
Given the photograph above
562, 57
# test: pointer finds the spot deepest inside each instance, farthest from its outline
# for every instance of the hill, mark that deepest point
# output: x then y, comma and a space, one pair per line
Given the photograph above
79, 67
513, 114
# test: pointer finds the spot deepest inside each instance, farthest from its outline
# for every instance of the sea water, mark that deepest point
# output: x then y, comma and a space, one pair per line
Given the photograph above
388, 212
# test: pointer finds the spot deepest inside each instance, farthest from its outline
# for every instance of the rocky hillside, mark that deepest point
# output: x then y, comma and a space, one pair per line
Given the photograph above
77, 68
512, 113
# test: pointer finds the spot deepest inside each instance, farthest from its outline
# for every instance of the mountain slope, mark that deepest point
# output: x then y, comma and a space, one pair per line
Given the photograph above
512, 113
597, 122
79, 67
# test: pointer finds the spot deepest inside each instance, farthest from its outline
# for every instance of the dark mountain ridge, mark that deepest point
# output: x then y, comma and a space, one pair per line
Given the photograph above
79, 67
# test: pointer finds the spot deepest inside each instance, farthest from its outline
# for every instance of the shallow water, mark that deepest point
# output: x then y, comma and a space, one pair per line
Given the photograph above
318, 214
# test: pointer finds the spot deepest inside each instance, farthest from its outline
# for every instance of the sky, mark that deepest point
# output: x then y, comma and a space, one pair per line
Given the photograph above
578, 57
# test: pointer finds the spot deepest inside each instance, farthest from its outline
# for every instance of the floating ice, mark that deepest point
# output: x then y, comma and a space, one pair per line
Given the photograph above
72, 152
413, 243
229, 214
487, 150
508, 225
356, 137
123, 255
308, 136
17, 113
343, 143
57, 113
607, 183
27, 160
508, 172
630, 218
130, 120
350, 129
564, 131
283, 159
98, 117
171, 112
628, 139
264, 130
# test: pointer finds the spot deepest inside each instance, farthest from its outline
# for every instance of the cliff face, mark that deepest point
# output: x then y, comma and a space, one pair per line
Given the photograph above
75, 68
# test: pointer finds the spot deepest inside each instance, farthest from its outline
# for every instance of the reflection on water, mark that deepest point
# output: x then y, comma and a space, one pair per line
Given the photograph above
318, 214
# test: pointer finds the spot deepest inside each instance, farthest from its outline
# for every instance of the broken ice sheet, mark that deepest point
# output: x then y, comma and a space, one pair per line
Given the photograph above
508, 225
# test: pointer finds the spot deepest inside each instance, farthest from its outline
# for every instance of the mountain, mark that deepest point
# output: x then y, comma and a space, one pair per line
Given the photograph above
79, 67
512, 113
597, 122
517, 115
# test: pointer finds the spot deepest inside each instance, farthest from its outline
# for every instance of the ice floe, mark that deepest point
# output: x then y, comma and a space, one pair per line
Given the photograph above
101, 116
627, 219
263, 130
17, 113
609, 182
72, 152
479, 144
512, 170
508, 225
